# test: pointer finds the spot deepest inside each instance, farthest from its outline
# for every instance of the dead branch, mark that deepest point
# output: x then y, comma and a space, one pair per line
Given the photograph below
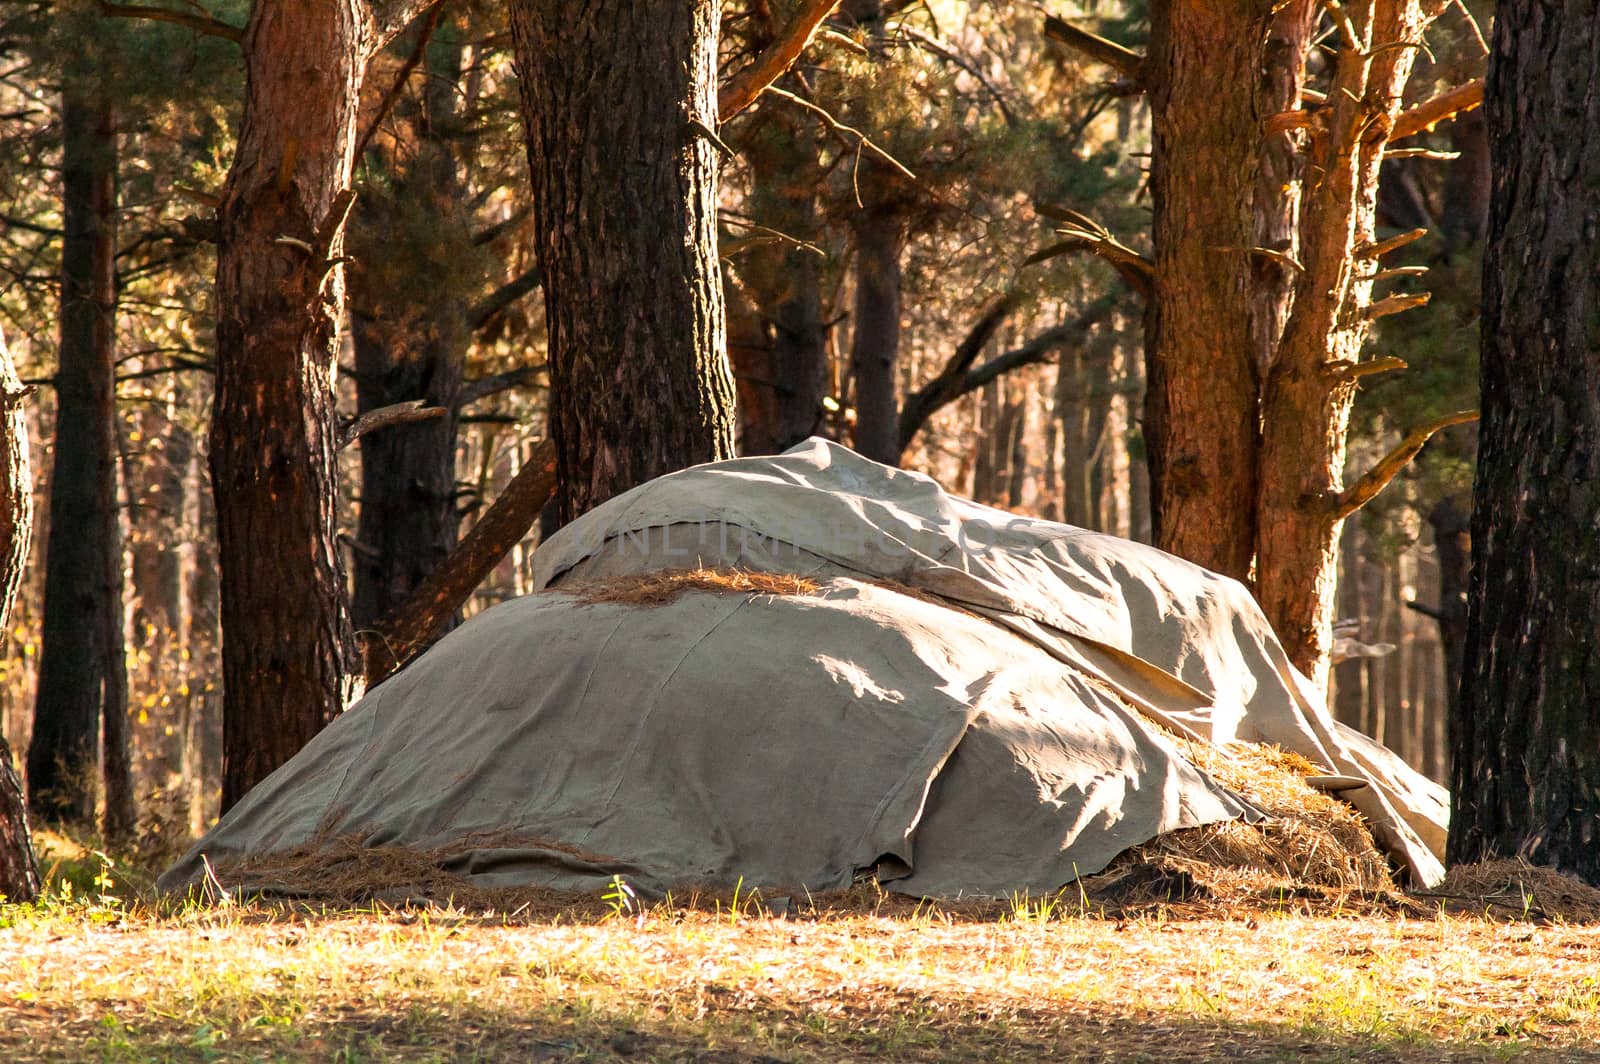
1124, 61
1341, 370
202, 24
354, 428
945, 387
1472, 24
1399, 271
497, 302
1396, 304
1288, 121
482, 388
1429, 113
1378, 249
406, 631
1421, 153
775, 59
412, 62
501, 228
1378, 477
925, 402
837, 126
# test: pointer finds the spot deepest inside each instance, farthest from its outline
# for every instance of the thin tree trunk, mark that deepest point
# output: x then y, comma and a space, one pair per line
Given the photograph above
410, 336
618, 101
1201, 415
19, 869
287, 652
81, 681
1309, 391
785, 284
875, 340
1526, 737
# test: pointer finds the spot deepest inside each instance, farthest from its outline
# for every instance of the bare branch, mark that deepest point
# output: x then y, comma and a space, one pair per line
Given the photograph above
202, 24
1378, 249
1124, 61
1351, 371
1396, 304
1429, 113
500, 229
389, 17
383, 417
484, 387
412, 61
839, 127
1378, 477
945, 387
403, 633
775, 59
927, 401
498, 301
1041, 347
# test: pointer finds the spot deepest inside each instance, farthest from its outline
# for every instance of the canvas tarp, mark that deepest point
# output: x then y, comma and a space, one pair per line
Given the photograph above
960, 708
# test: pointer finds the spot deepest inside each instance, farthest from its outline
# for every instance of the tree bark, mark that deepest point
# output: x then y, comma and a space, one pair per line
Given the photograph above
875, 339
410, 335
785, 285
1306, 402
1200, 402
618, 104
81, 673
19, 869
1526, 737
287, 651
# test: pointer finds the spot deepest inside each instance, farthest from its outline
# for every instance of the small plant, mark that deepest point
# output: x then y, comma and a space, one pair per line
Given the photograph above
623, 901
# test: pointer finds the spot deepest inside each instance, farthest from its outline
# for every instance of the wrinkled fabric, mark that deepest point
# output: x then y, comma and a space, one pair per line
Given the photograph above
962, 707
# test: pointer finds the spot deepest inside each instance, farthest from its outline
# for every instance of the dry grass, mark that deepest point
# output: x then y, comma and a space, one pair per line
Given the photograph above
872, 978
667, 585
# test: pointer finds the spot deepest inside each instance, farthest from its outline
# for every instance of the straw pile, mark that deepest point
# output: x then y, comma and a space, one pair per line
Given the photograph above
1514, 888
1314, 848
667, 585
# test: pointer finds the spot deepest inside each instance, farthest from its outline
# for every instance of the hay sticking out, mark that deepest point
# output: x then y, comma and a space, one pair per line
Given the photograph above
1314, 847
344, 869
1515, 888
664, 586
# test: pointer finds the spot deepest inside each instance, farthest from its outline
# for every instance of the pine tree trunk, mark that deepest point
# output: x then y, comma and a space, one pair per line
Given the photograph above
784, 282
875, 338
81, 681
1200, 423
19, 870
1526, 737
287, 652
410, 334
1308, 394
617, 101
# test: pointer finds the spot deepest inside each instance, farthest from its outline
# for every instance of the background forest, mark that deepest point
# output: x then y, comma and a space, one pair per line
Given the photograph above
934, 234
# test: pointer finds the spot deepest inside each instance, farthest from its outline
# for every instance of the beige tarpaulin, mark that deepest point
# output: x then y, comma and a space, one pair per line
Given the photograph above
983, 733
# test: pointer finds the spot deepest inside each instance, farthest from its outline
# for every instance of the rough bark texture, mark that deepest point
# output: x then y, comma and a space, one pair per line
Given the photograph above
409, 326
19, 870
81, 679
1526, 739
1200, 402
1306, 401
617, 102
287, 637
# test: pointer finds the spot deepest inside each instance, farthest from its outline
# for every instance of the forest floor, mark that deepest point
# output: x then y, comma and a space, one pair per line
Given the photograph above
87, 977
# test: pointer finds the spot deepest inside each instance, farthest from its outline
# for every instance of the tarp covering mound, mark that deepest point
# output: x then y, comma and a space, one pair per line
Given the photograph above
954, 699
